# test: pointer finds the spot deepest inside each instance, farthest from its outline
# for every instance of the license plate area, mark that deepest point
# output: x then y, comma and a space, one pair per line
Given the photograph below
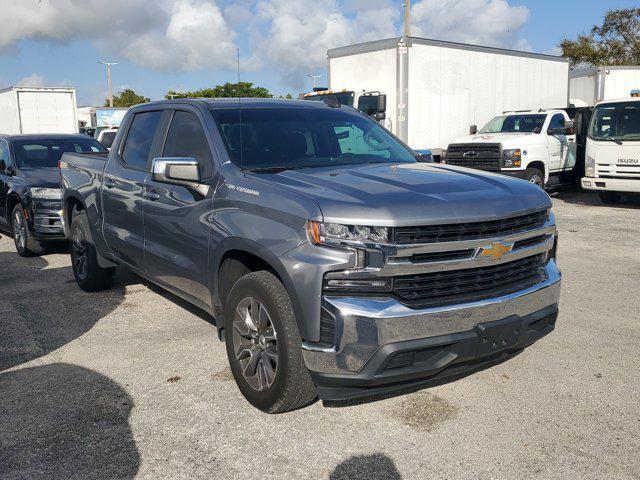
496, 336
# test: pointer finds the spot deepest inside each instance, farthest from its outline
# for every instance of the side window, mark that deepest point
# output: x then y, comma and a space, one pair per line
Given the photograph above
186, 138
139, 139
4, 152
557, 121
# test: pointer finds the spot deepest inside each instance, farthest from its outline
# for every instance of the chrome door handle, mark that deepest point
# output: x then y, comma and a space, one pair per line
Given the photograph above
151, 195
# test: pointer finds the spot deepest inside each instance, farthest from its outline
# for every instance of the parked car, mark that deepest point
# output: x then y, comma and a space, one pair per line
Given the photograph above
539, 147
30, 194
106, 136
335, 264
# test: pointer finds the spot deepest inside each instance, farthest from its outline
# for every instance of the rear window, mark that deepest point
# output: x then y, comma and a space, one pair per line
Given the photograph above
46, 153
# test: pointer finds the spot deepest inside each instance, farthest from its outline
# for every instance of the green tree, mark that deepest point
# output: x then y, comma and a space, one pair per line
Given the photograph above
228, 90
126, 98
615, 42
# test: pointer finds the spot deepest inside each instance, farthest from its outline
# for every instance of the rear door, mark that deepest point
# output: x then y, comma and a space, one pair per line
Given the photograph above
123, 187
176, 233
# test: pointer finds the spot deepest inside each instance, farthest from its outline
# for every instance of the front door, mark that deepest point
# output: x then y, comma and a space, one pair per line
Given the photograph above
123, 186
176, 230
557, 142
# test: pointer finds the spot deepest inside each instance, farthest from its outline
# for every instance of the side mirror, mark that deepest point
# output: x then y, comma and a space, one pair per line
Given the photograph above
176, 170
569, 128
382, 104
473, 129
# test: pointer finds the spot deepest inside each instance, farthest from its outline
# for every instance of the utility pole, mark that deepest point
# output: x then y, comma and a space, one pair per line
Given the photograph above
315, 77
407, 18
108, 64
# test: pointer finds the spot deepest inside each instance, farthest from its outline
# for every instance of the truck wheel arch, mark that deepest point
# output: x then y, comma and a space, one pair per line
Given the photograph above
71, 204
12, 201
540, 166
243, 257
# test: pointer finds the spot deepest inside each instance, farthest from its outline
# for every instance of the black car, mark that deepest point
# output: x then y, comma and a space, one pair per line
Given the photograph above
30, 193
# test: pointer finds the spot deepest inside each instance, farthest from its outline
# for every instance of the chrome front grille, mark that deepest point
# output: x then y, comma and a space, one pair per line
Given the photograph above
481, 156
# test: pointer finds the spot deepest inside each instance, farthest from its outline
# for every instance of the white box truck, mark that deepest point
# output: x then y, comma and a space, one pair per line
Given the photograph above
435, 89
588, 86
38, 110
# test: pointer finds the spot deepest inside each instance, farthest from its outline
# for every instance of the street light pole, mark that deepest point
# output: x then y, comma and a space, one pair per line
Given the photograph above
315, 77
108, 64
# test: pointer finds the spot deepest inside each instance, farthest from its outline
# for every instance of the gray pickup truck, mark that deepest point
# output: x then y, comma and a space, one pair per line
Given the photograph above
336, 262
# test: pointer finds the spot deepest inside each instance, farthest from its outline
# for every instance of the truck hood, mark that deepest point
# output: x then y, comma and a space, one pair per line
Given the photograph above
41, 177
410, 194
508, 138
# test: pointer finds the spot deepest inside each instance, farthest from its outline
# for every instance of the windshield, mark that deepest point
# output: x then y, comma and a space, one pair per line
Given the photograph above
47, 153
616, 122
344, 98
107, 139
515, 123
306, 137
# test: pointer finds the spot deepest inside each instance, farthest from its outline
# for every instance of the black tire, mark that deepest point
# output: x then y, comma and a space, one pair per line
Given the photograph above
291, 386
609, 198
534, 175
26, 245
89, 275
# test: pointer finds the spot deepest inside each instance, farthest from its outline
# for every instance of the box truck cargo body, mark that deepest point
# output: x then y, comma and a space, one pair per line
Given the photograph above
38, 110
448, 86
597, 84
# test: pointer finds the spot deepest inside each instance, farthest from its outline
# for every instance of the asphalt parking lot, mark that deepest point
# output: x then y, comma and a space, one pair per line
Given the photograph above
134, 383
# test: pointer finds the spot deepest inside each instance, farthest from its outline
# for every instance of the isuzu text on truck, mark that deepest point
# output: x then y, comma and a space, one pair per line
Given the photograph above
334, 264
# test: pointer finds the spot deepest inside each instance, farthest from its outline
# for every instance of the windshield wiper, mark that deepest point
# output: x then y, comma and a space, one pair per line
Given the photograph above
275, 169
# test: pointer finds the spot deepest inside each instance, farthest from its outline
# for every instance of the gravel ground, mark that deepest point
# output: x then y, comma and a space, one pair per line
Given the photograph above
134, 383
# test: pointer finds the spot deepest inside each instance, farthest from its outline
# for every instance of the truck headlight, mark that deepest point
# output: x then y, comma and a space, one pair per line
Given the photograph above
512, 158
46, 193
368, 285
336, 233
589, 166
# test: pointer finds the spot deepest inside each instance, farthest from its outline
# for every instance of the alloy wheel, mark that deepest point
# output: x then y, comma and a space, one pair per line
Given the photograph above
79, 249
20, 230
255, 344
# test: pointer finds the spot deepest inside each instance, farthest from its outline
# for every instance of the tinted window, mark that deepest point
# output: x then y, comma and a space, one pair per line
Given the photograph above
4, 152
186, 139
273, 137
139, 139
557, 121
107, 139
616, 121
47, 153
515, 123
344, 98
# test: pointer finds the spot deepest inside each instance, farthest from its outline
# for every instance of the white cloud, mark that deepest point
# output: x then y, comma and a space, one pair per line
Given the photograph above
33, 80
179, 34
482, 22
298, 33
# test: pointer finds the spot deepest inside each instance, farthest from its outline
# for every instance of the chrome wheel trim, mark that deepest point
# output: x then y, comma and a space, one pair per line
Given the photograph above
255, 344
537, 180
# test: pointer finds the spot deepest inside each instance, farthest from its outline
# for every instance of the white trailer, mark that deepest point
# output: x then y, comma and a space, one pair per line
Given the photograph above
597, 84
448, 86
38, 110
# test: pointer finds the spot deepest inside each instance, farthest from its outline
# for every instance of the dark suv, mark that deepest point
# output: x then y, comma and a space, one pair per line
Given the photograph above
30, 193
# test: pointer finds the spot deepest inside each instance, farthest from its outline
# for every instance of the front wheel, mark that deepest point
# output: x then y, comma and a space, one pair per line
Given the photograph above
264, 345
84, 258
534, 175
26, 245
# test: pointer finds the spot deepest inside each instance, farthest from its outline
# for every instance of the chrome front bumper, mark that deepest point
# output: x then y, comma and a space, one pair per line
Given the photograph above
366, 325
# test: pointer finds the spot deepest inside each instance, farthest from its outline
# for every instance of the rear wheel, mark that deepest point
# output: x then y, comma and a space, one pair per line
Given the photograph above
264, 346
84, 257
534, 175
609, 198
26, 245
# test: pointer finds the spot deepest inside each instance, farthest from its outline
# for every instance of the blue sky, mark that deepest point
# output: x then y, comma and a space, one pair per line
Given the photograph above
190, 44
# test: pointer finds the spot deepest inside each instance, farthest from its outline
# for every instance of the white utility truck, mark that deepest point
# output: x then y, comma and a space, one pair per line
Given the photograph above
38, 110
612, 161
591, 85
536, 146
434, 89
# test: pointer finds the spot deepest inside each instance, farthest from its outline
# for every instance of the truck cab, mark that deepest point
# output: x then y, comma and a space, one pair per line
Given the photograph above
372, 103
612, 161
535, 146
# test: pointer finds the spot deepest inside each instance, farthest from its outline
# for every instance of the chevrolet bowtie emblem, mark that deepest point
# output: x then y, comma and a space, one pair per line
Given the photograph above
497, 250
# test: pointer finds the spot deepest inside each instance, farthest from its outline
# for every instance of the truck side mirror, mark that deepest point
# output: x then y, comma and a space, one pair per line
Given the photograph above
473, 129
382, 104
176, 170
569, 127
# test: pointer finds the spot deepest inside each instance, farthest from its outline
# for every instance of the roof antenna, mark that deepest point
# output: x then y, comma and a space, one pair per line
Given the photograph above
240, 109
